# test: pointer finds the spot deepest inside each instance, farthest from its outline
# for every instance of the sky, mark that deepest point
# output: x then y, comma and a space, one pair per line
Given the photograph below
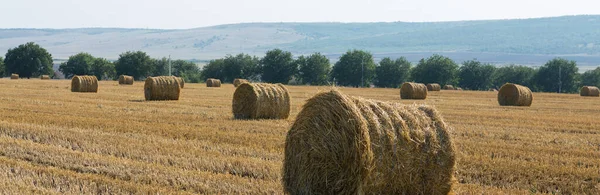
185, 14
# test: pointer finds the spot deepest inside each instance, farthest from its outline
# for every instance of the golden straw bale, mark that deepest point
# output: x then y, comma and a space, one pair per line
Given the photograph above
589, 91
514, 95
238, 82
45, 77
413, 91
181, 81
433, 87
261, 101
213, 83
162, 88
349, 145
14, 76
125, 80
84, 83
448, 87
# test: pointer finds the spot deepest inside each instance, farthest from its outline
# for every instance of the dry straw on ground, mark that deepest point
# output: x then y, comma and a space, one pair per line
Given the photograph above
84, 84
238, 82
433, 87
162, 88
45, 77
181, 81
14, 76
413, 91
213, 83
589, 91
125, 80
346, 145
261, 101
448, 87
514, 95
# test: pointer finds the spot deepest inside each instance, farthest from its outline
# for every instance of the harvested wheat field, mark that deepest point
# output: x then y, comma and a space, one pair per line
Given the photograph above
56, 142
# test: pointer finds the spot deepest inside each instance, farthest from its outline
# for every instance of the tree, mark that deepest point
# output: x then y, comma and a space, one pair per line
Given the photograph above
103, 69
1, 67
557, 75
354, 67
278, 66
476, 76
214, 69
436, 69
161, 67
314, 69
189, 71
521, 75
392, 73
240, 66
137, 64
28, 60
591, 77
78, 64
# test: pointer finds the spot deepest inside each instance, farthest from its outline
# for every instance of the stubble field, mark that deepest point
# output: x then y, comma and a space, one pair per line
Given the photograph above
53, 141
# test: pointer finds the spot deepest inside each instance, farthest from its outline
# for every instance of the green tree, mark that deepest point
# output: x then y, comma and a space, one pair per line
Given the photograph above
137, 64
78, 64
278, 66
591, 77
189, 71
557, 75
2, 73
436, 69
353, 67
314, 69
161, 67
241, 66
521, 75
392, 73
476, 76
103, 69
214, 69
28, 60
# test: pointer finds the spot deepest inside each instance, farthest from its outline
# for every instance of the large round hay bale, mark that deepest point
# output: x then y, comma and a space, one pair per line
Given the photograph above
14, 76
213, 83
181, 81
413, 91
84, 83
261, 101
589, 91
162, 88
238, 82
433, 87
45, 77
125, 80
514, 95
346, 145
448, 87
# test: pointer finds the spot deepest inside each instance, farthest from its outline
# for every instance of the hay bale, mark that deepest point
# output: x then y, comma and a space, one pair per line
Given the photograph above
14, 76
45, 77
514, 95
261, 101
459, 89
125, 80
84, 83
181, 81
589, 91
413, 91
238, 82
162, 88
346, 145
213, 83
433, 87
448, 87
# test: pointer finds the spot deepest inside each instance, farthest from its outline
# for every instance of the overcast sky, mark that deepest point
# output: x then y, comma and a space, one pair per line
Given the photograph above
182, 14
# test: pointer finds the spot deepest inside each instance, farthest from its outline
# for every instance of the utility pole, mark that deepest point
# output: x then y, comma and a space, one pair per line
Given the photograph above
169, 65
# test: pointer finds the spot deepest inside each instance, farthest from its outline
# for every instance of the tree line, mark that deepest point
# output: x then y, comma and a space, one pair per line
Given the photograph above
355, 68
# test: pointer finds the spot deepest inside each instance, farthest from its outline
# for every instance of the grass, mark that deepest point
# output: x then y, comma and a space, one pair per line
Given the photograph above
53, 141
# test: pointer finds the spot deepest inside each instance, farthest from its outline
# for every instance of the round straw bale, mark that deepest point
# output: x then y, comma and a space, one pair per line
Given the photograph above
213, 83
448, 87
181, 81
14, 76
45, 77
433, 87
413, 91
261, 101
514, 95
589, 91
347, 145
125, 80
162, 88
84, 84
238, 82
458, 88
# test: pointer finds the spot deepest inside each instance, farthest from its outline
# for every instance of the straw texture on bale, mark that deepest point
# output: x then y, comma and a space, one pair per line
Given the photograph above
45, 77
448, 87
589, 91
261, 101
162, 88
181, 81
238, 82
84, 84
413, 91
433, 87
14, 76
346, 145
125, 80
213, 83
514, 95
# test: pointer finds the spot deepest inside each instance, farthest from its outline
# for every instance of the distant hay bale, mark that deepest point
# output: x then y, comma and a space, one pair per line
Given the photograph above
213, 83
14, 76
514, 95
45, 77
84, 83
347, 145
458, 88
413, 91
261, 101
238, 82
433, 87
125, 80
162, 88
181, 81
589, 91
448, 87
